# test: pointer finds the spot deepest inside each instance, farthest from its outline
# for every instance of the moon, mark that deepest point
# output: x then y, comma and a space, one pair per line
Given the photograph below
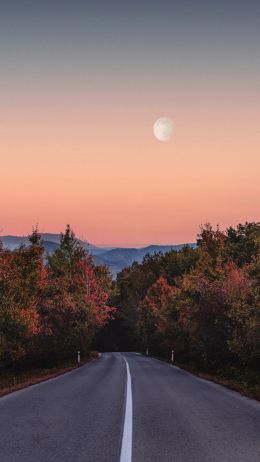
163, 129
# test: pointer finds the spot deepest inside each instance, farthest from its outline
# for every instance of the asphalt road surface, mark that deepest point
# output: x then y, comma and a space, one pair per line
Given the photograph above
123, 408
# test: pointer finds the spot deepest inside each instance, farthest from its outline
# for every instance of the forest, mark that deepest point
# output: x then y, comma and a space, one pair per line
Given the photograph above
203, 303
50, 307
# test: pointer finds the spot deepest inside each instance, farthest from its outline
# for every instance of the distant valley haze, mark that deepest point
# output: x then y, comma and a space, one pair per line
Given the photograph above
115, 258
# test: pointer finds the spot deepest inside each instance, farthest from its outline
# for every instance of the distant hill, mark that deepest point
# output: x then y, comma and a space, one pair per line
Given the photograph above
118, 258
115, 258
50, 241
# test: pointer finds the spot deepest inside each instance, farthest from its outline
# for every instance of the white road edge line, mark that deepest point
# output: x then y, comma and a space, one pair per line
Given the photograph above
126, 448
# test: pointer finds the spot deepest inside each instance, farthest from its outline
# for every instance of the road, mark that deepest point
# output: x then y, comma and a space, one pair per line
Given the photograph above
160, 412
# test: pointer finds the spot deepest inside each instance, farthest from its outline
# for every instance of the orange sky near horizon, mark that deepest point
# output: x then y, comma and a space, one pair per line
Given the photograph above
76, 123
103, 171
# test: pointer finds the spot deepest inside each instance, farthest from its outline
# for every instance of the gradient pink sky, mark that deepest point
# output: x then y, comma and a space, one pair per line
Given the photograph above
77, 146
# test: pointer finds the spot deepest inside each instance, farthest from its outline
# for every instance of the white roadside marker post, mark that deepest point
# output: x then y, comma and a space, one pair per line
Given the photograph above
78, 357
147, 352
172, 358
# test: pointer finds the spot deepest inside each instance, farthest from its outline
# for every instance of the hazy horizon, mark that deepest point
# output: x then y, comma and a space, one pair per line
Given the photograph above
118, 245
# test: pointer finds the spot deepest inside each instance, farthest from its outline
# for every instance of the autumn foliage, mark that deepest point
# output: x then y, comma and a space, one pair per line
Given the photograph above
203, 302
50, 308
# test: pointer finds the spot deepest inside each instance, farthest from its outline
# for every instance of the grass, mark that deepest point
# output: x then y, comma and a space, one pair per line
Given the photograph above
11, 380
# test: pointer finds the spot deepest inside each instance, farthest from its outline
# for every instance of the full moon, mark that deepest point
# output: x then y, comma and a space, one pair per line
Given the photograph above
163, 129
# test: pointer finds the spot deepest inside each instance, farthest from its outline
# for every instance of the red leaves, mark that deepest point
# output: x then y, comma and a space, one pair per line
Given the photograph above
56, 307
96, 296
212, 314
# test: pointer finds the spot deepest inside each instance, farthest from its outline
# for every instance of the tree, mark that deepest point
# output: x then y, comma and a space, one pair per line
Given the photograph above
243, 242
22, 278
75, 304
153, 313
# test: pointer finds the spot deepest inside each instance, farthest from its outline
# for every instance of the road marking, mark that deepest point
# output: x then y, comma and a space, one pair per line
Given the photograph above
126, 448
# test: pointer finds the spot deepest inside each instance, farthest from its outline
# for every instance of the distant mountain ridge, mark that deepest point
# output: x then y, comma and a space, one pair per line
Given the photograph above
116, 258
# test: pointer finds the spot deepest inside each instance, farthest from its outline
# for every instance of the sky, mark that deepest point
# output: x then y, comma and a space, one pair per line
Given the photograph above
81, 84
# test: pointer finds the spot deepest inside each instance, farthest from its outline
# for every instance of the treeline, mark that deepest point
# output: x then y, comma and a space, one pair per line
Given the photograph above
203, 302
50, 307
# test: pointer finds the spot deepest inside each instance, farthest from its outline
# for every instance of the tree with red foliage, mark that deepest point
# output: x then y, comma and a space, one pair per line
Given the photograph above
75, 303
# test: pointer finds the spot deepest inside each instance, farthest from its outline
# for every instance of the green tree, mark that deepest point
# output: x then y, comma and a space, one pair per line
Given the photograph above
243, 242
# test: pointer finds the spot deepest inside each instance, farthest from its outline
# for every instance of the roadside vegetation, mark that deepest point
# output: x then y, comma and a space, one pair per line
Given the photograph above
203, 303
14, 379
49, 308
